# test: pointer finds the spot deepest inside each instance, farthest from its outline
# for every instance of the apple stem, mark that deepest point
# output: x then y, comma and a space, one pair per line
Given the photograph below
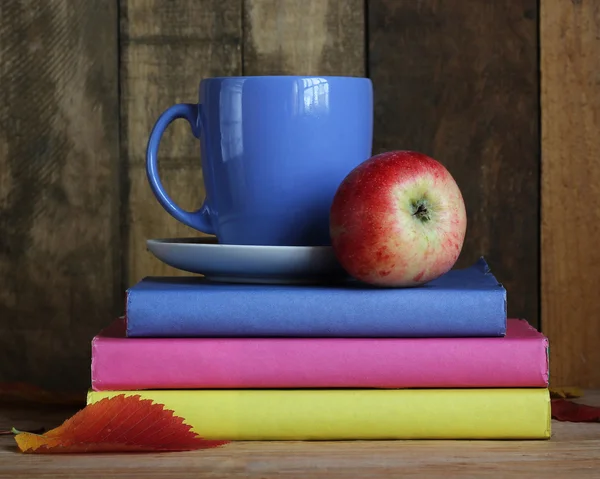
421, 212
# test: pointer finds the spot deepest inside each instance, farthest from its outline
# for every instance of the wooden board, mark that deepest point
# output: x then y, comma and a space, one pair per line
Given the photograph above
458, 81
311, 37
570, 62
571, 452
59, 120
167, 48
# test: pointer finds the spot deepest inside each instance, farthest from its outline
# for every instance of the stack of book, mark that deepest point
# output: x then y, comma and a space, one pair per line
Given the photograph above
330, 362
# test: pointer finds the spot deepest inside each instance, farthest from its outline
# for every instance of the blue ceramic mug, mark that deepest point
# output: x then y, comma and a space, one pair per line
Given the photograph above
274, 150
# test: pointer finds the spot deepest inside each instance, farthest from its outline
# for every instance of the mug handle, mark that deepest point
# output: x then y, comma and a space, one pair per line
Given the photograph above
199, 219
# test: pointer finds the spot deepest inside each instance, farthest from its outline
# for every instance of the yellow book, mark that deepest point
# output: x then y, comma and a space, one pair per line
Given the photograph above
353, 414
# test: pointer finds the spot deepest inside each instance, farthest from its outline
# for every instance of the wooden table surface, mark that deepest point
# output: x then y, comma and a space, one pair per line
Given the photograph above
573, 452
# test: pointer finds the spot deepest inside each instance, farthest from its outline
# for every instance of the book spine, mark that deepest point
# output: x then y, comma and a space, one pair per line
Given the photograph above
247, 415
147, 363
316, 313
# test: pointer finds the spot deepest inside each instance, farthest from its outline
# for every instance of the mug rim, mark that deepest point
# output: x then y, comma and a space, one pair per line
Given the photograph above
286, 77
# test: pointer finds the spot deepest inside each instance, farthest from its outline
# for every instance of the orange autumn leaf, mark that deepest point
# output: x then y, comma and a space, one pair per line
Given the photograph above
19, 392
117, 424
565, 410
565, 392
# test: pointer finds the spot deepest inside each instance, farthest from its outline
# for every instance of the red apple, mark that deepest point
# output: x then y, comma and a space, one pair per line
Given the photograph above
398, 219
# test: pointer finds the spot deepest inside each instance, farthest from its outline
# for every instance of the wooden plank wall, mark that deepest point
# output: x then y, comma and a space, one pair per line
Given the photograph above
570, 66
312, 37
460, 83
59, 193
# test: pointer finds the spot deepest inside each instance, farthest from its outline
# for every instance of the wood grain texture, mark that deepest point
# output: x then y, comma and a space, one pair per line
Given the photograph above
458, 81
59, 268
311, 37
570, 81
572, 453
167, 48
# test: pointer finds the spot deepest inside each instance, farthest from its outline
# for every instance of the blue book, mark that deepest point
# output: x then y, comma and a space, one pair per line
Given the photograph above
466, 302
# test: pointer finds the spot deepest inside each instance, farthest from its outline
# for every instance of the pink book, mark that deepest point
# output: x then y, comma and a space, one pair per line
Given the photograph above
519, 359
